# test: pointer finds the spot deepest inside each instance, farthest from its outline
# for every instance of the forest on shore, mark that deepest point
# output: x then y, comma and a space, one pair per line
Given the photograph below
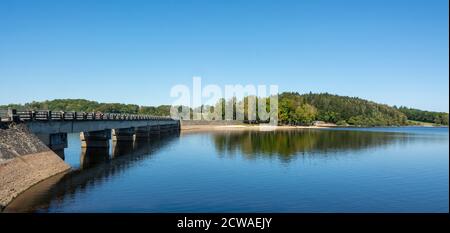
293, 109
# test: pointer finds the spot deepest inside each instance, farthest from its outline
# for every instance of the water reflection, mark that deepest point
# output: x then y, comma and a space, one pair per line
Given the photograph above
93, 156
286, 144
337, 170
120, 148
96, 167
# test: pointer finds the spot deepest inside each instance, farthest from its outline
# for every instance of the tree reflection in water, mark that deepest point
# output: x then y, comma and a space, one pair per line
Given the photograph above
286, 144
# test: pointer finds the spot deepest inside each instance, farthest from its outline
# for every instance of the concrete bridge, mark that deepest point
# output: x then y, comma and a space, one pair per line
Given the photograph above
96, 129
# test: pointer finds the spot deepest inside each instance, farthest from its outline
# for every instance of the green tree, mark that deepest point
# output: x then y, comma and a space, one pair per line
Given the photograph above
305, 114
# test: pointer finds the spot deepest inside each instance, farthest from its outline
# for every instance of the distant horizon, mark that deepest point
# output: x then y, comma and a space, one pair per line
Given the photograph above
389, 52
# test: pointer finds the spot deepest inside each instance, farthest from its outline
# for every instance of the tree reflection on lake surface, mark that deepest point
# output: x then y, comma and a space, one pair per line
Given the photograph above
314, 170
286, 144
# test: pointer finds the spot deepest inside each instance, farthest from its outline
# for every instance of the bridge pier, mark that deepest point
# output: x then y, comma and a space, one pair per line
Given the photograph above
142, 133
154, 130
121, 148
95, 139
55, 141
126, 134
177, 126
169, 128
166, 128
92, 156
163, 128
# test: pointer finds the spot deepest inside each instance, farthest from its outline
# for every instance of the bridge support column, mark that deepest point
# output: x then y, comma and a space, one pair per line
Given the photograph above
170, 127
178, 126
56, 142
121, 148
142, 133
126, 134
93, 156
154, 130
95, 139
165, 128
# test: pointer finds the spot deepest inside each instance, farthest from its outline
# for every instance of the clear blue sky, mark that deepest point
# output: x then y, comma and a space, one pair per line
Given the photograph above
393, 52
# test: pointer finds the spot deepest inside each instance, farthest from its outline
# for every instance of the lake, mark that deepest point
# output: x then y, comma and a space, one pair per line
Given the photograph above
303, 170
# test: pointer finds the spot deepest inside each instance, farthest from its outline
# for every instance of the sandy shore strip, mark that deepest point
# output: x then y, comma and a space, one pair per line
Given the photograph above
202, 128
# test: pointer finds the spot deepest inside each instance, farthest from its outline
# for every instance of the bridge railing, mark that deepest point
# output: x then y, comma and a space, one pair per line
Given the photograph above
45, 115
8, 115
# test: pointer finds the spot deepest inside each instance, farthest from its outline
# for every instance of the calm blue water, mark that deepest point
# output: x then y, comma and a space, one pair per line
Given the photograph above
339, 170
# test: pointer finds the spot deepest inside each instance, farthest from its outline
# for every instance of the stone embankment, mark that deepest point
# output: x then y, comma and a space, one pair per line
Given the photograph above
24, 161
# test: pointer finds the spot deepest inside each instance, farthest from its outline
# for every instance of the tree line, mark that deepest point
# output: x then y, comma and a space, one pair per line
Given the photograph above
293, 109
341, 110
82, 105
440, 118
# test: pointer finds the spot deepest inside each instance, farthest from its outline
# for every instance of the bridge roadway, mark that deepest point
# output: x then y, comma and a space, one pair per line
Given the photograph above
96, 129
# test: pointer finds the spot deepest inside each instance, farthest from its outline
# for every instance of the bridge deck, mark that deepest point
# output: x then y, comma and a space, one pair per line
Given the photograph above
50, 122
